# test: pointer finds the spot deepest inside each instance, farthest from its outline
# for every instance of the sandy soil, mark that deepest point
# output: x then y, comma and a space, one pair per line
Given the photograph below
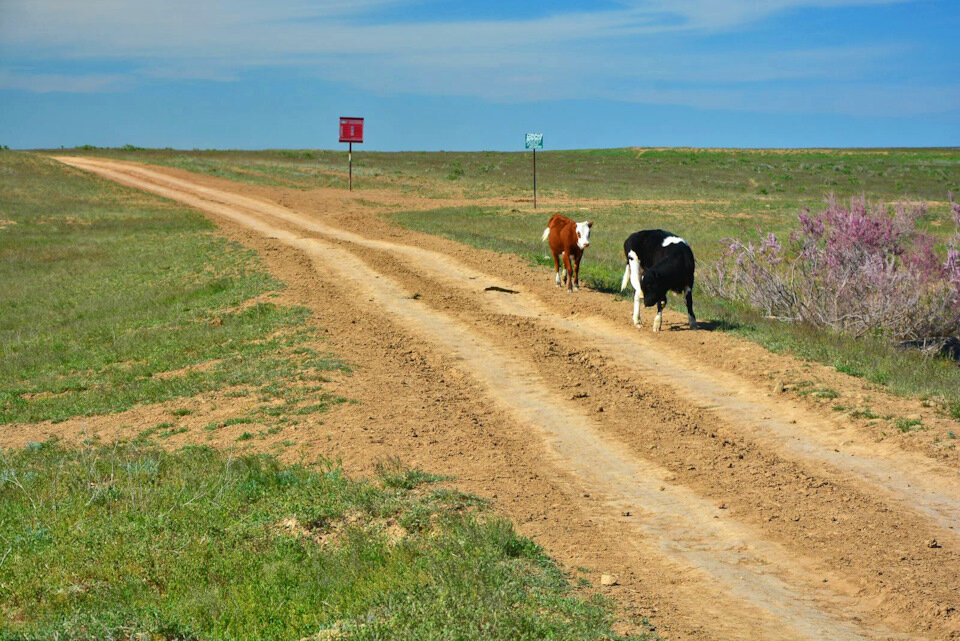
686, 463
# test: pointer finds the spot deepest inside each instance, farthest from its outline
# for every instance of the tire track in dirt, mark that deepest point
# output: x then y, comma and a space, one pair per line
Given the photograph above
760, 573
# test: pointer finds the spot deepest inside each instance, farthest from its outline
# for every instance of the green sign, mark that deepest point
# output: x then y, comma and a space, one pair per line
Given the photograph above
534, 141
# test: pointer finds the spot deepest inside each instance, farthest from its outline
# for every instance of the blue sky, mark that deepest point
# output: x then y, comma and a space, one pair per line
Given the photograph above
477, 75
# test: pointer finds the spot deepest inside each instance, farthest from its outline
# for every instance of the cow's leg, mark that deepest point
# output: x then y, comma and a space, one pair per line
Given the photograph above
569, 276
658, 321
556, 266
634, 266
690, 316
576, 271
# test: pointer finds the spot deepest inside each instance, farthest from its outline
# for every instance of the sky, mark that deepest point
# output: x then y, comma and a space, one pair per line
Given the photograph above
431, 75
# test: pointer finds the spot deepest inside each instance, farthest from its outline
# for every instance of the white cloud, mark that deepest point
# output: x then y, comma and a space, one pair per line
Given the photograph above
249, 29
614, 54
855, 100
55, 82
729, 14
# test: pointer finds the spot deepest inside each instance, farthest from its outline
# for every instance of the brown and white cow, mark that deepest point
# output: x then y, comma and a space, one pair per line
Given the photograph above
570, 239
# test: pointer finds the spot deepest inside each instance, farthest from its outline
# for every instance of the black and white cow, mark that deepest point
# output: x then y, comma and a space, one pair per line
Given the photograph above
658, 262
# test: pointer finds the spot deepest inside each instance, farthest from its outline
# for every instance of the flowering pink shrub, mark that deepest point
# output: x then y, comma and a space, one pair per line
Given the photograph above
860, 270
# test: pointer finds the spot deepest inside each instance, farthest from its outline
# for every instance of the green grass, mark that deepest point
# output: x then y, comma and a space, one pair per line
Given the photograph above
908, 424
903, 372
112, 542
112, 298
394, 474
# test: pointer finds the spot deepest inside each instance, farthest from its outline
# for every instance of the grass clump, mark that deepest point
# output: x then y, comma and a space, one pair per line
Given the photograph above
394, 474
908, 424
197, 544
819, 392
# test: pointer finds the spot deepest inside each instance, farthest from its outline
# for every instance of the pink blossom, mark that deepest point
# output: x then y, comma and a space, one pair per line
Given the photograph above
858, 269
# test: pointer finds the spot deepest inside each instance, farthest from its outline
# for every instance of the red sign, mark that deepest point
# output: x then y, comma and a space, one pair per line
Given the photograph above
351, 130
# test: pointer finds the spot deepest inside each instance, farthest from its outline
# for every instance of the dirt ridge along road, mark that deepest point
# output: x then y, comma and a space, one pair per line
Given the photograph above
780, 586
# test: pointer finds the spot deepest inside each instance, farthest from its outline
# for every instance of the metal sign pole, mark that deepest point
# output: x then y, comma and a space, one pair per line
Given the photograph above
533, 141
534, 177
351, 131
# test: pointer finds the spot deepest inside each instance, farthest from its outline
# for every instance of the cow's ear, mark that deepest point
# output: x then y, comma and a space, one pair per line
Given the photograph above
589, 223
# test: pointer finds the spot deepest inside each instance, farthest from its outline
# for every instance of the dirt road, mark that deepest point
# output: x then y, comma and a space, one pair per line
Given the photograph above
726, 508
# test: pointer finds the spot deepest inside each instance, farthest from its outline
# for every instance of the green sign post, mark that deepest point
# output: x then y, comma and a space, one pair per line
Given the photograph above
534, 142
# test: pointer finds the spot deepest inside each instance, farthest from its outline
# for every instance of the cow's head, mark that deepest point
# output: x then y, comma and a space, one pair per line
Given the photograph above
653, 288
583, 234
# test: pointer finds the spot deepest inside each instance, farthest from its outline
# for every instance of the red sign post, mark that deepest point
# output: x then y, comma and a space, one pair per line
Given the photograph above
351, 131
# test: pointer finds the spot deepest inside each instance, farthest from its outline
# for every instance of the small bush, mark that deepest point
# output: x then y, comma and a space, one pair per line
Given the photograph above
858, 270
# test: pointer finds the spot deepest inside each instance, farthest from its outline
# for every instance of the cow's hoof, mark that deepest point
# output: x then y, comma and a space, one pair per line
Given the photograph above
657, 324
638, 325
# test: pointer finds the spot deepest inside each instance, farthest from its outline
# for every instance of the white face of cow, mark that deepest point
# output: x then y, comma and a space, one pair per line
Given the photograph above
583, 234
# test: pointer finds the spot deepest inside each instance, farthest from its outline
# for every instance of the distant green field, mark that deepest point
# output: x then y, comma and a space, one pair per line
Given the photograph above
701, 194
782, 179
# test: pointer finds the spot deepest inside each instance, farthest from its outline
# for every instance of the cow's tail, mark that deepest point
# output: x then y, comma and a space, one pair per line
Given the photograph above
546, 233
626, 277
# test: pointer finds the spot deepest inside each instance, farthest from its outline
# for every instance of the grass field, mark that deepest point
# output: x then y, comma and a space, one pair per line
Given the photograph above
782, 179
112, 298
132, 542
703, 195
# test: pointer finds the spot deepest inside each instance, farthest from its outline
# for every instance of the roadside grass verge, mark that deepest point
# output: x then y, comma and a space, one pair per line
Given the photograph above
903, 372
936, 381
112, 298
115, 542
